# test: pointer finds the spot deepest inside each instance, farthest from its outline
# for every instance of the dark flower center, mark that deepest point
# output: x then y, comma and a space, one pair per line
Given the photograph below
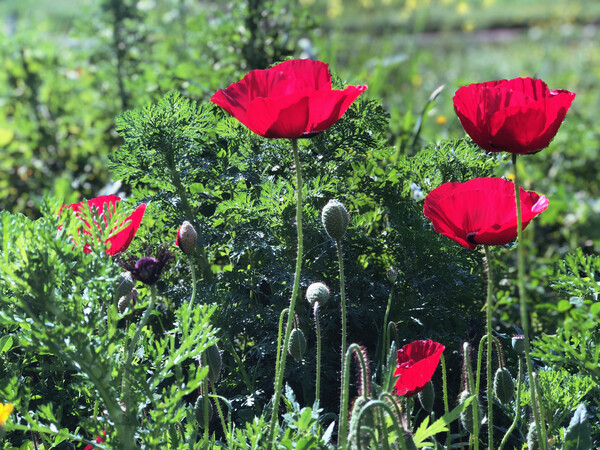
471, 237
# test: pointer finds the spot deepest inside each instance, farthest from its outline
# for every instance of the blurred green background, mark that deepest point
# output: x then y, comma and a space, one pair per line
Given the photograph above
70, 67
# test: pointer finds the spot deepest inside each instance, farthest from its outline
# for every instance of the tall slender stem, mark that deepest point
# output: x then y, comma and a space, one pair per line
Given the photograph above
125, 394
524, 313
193, 273
343, 306
488, 314
472, 388
281, 369
386, 335
513, 425
445, 393
318, 330
343, 419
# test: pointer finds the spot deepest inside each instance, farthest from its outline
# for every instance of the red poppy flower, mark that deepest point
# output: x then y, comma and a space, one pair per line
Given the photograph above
121, 240
417, 362
481, 211
290, 100
517, 116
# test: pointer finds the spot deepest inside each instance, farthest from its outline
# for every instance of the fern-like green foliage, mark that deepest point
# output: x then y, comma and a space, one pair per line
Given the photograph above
240, 195
576, 343
65, 344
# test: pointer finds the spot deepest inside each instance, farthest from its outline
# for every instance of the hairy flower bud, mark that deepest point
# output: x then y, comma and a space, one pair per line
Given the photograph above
427, 397
318, 292
126, 284
504, 386
335, 219
466, 416
214, 363
187, 237
124, 301
297, 345
518, 344
367, 420
392, 275
199, 411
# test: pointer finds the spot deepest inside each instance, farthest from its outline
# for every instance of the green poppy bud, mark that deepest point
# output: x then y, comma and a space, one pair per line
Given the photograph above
518, 344
318, 292
335, 219
297, 345
186, 238
199, 411
504, 386
214, 363
427, 397
466, 416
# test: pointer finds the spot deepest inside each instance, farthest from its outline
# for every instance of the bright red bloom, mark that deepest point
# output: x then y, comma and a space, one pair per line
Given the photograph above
517, 116
121, 240
481, 211
416, 365
290, 100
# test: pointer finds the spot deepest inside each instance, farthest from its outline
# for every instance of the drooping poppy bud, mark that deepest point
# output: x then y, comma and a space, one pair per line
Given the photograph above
297, 345
504, 386
392, 275
466, 416
427, 397
335, 219
318, 292
187, 237
518, 344
199, 411
126, 284
214, 363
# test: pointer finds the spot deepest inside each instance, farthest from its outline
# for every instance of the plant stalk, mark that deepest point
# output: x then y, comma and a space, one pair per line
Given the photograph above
524, 313
281, 368
343, 307
318, 330
488, 314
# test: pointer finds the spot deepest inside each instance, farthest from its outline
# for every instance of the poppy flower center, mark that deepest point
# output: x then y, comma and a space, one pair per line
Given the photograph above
471, 237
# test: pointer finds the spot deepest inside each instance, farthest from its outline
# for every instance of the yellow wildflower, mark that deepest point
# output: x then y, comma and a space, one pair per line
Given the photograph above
510, 177
441, 120
5, 411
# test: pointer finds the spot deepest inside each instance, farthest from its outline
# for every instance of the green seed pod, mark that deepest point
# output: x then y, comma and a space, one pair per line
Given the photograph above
199, 411
427, 397
466, 416
214, 363
518, 344
125, 285
504, 386
187, 237
532, 437
297, 345
335, 219
368, 420
318, 292
124, 302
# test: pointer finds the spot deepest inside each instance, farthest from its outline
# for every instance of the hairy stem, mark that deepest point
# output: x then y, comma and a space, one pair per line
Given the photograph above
344, 398
318, 330
488, 314
281, 369
513, 425
524, 312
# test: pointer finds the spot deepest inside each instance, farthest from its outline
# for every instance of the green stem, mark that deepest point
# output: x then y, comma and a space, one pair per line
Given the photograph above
205, 401
475, 404
125, 394
488, 307
524, 313
193, 273
445, 394
513, 425
180, 190
386, 334
281, 369
343, 399
482, 342
220, 411
343, 428
318, 330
